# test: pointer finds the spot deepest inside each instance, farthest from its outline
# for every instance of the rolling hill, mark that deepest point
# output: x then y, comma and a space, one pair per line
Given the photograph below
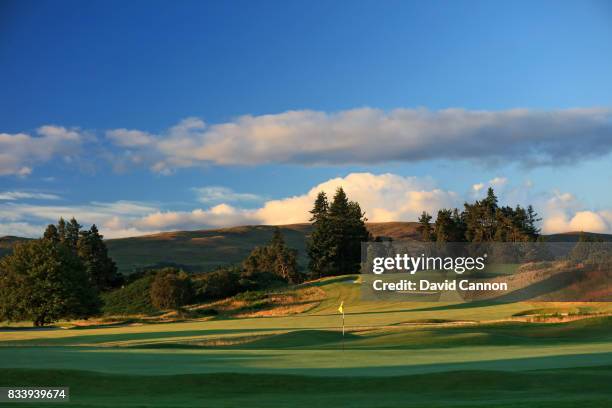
205, 250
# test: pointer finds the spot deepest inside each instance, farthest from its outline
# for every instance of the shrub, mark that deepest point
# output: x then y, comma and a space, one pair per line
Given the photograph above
171, 289
134, 298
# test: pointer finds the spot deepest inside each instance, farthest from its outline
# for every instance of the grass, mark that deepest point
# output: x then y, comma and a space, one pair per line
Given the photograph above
394, 354
587, 387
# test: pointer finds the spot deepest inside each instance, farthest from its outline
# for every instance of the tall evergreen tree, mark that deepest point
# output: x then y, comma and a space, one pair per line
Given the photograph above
61, 229
339, 228
320, 242
51, 234
101, 269
532, 220
73, 229
425, 228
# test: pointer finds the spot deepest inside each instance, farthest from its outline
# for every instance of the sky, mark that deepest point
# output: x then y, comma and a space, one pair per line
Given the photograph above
154, 116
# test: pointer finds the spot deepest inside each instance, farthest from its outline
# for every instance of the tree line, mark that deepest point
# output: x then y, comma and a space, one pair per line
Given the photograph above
69, 274
482, 221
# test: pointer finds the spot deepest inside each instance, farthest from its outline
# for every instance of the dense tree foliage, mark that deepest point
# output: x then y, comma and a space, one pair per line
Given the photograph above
43, 281
133, 298
101, 269
58, 276
425, 228
321, 240
89, 246
276, 258
71, 235
482, 221
334, 248
171, 289
219, 284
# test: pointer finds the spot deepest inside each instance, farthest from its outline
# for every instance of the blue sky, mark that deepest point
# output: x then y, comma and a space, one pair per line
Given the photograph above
147, 116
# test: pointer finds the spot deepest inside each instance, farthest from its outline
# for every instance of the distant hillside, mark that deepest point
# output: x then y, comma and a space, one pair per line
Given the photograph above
574, 235
201, 251
204, 250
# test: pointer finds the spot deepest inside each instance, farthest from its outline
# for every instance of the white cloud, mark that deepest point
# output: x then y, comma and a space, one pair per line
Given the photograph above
129, 138
21, 229
477, 187
563, 213
20, 152
218, 194
20, 195
383, 197
373, 136
497, 183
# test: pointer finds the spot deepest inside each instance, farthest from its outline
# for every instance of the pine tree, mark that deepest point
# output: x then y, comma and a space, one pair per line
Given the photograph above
425, 228
319, 244
73, 229
51, 234
485, 221
443, 228
532, 219
101, 269
61, 229
339, 229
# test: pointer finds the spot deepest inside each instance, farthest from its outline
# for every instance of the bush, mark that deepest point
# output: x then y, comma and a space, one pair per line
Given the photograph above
218, 284
134, 298
171, 289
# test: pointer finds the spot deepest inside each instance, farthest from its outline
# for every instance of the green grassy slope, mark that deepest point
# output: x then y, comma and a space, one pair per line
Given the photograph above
394, 354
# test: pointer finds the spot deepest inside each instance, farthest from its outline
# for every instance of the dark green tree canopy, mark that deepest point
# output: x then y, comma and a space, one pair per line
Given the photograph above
171, 289
485, 221
276, 258
100, 268
43, 281
334, 247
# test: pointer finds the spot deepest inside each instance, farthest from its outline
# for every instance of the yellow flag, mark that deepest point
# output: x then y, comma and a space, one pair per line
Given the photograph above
341, 308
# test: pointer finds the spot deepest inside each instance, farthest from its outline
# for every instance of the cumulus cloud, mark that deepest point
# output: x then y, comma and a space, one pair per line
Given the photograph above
20, 152
367, 136
564, 212
384, 197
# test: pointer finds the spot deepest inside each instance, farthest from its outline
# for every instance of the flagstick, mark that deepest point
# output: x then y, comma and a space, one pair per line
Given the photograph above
342, 331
